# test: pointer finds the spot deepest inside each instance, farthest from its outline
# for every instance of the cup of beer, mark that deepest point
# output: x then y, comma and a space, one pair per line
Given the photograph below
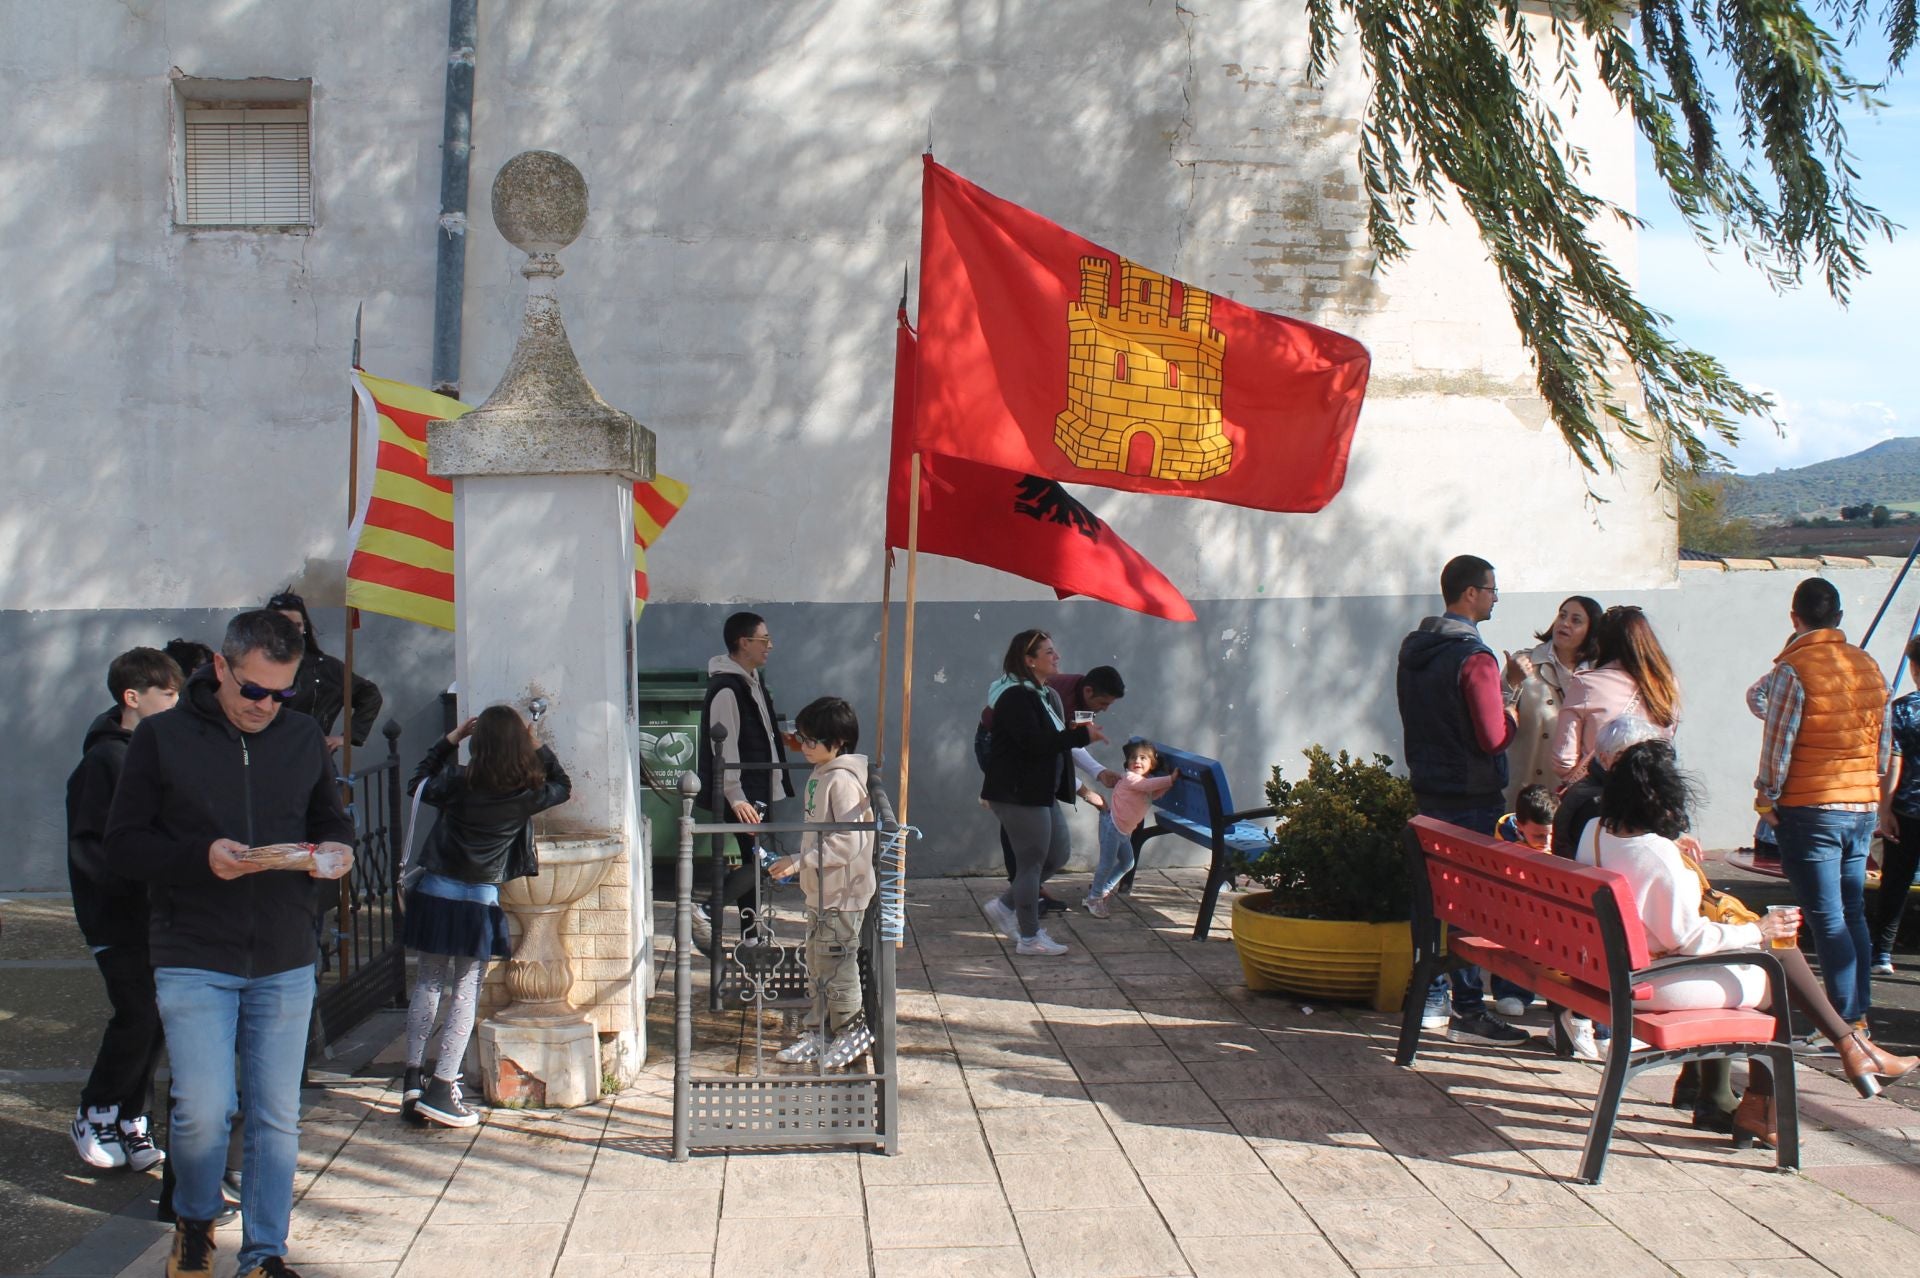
1791, 913
1082, 716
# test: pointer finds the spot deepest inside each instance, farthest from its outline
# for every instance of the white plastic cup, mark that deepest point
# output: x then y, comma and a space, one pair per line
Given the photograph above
331, 863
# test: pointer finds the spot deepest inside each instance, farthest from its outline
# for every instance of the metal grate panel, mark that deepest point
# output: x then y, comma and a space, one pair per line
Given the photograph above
733, 1112
786, 985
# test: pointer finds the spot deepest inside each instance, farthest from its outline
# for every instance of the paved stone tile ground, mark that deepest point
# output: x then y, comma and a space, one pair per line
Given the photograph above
1127, 1109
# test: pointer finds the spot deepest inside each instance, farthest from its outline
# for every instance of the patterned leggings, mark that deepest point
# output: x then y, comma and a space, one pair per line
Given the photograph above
428, 986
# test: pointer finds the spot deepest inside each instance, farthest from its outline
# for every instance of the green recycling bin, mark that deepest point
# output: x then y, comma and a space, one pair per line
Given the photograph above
669, 702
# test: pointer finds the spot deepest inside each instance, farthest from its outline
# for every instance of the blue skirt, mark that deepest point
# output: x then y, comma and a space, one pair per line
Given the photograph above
458, 929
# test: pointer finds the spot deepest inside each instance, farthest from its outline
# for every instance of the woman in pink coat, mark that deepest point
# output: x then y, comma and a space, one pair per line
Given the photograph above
1631, 675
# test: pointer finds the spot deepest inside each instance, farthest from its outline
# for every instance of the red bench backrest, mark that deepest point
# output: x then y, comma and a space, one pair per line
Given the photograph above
1538, 905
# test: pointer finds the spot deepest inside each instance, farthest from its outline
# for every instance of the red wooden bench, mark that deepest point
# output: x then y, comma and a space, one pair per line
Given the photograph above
1573, 934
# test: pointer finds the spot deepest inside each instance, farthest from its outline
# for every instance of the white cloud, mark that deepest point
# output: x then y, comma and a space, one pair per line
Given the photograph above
1817, 430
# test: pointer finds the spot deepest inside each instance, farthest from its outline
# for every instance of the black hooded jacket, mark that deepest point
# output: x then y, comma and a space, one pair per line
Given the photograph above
192, 777
111, 909
482, 838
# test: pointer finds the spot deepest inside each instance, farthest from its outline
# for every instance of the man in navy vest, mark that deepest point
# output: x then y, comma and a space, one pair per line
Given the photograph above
1457, 729
738, 700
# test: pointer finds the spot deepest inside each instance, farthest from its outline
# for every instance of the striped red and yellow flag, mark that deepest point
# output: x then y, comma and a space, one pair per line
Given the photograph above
402, 564
654, 505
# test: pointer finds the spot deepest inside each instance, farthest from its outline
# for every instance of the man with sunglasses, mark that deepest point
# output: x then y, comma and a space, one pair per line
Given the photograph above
232, 942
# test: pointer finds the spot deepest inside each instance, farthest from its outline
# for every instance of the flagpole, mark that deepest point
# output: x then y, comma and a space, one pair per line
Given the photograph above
353, 504
906, 658
886, 622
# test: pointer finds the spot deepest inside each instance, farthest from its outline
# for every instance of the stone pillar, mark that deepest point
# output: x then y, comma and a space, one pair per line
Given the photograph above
543, 476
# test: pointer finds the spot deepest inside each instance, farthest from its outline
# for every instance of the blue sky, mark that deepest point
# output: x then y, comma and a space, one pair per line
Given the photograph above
1844, 378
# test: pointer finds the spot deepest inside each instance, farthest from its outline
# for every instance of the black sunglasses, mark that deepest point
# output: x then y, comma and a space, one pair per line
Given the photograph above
254, 692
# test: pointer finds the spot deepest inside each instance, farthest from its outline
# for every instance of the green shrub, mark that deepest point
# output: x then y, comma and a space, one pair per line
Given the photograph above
1337, 851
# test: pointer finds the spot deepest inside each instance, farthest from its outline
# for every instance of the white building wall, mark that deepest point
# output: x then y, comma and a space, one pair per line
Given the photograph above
755, 188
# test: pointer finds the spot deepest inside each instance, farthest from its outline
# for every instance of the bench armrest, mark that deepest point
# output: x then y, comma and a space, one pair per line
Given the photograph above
1764, 959
1251, 814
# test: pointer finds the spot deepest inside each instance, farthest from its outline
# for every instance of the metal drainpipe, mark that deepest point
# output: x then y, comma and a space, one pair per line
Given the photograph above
456, 148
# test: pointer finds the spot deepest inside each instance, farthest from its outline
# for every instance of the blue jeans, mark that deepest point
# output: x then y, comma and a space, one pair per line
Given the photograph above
1469, 999
1116, 856
1824, 854
208, 1016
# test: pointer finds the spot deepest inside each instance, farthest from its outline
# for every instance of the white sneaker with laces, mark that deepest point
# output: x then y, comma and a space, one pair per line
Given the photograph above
1039, 943
142, 1153
801, 1050
96, 1137
849, 1044
1003, 918
1098, 907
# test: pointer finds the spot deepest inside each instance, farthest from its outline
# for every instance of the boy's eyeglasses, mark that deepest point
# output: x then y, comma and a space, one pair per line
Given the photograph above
254, 692
805, 740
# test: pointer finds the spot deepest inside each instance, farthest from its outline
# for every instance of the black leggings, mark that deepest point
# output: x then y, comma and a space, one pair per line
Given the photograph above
1896, 877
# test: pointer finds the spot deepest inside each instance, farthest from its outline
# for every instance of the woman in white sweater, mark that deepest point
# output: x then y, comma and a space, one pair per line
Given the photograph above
1643, 809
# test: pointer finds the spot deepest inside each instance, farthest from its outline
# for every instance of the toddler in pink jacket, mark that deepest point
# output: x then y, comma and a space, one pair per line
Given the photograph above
1132, 798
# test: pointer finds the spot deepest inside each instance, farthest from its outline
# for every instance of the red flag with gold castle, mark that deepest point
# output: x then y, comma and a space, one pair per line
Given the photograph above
1044, 353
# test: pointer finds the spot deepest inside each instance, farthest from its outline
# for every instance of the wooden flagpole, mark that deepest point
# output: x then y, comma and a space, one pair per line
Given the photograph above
353, 504
906, 658
886, 625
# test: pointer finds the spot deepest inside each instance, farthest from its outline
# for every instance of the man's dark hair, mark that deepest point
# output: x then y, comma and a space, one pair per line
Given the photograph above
138, 669
1535, 805
188, 655
831, 722
288, 601
740, 627
1646, 793
1817, 603
263, 631
1106, 681
1462, 573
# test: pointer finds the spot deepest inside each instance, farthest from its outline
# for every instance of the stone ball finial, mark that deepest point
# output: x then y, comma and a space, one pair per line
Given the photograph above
539, 202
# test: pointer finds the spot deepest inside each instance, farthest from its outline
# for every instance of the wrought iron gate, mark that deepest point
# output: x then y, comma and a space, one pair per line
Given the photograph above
362, 966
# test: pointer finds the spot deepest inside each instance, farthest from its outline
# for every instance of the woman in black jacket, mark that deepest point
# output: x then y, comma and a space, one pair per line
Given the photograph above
1029, 774
454, 922
320, 685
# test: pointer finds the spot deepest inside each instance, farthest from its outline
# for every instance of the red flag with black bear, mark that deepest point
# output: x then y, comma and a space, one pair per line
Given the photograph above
1022, 524
1046, 354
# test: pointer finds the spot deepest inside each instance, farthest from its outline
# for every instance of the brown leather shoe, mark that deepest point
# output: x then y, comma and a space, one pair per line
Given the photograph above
1865, 1063
1756, 1120
192, 1249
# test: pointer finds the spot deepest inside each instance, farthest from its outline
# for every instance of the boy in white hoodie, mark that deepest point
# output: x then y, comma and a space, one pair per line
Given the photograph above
837, 875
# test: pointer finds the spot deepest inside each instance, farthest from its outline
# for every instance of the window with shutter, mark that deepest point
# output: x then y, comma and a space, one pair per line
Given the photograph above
247, 167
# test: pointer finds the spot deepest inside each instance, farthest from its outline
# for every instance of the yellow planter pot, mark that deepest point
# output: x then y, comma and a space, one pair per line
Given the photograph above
1356, 962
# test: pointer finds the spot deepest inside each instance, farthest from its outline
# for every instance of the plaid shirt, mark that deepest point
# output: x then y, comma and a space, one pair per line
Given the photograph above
1778, 700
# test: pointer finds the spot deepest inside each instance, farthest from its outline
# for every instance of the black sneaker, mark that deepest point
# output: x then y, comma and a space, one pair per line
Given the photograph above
442, 1104
1483, 1028
410, 1089
1051, 905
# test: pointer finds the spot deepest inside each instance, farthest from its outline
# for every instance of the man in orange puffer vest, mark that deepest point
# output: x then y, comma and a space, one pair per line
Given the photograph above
1823, 752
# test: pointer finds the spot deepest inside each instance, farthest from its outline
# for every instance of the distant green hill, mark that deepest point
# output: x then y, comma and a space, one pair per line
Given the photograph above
1886, 474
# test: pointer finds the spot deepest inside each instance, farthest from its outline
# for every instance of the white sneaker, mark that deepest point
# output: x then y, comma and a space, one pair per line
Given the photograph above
1039, 943
850, 1044
142, 1153
1435, 1020
1098, 907
1577, 1033
1511, 1008
1003, 918
96, 1137
802, 1049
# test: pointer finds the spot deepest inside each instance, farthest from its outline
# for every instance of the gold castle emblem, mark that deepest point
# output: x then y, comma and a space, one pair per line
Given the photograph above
1143, 387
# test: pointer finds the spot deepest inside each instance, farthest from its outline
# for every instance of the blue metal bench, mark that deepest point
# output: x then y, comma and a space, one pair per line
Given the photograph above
1199, 808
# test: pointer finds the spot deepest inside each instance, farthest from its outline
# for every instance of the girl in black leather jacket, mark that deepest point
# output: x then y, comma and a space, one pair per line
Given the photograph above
454, 922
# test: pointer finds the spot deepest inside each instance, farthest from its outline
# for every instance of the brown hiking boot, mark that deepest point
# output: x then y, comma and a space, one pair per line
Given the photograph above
192, 1249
